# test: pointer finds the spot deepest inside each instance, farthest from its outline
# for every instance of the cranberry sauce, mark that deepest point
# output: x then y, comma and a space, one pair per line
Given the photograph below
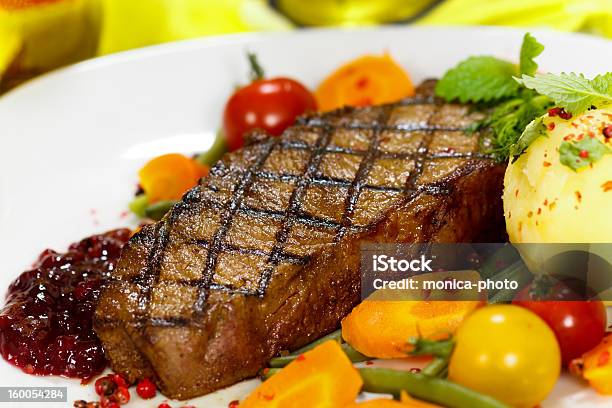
46, 325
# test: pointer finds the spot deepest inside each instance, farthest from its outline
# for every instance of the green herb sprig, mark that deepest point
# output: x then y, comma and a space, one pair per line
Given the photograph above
530, 49
582, 153
489, 79
516, 110
573, 92
479, 79
509, 125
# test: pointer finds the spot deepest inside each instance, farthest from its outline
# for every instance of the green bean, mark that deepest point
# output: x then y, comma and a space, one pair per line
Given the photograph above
515, 272
435, 367
444, 373
441, 351
510, 272
521, 276
436, 348
421, 386
436, 390
266, 373
506, 255
335, 335
351, 353
282, 361
279, 362
158, 210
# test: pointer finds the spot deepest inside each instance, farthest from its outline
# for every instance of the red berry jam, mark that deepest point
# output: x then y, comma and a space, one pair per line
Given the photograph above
46, 325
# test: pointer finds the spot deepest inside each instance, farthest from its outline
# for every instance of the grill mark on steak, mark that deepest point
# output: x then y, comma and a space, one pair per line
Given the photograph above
364, 168
420, 160
147, 279
235, 262
295, 203
305, 219
400, 129
217, 245
393, 155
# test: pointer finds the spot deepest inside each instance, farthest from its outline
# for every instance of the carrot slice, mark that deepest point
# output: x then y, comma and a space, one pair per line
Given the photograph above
367, 80
168, 177
381, 328
321, 377
377, 403
406, 401
598, 366
24, 4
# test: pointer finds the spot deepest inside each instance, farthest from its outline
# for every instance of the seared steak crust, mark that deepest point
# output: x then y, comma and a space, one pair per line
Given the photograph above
263, 256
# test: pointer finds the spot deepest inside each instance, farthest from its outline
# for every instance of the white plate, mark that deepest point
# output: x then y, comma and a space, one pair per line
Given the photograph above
71, 142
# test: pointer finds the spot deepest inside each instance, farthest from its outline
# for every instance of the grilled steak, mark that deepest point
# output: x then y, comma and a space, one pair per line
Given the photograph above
263, 256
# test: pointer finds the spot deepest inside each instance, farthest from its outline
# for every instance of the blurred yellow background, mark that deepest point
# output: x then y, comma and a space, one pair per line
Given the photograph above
40, 35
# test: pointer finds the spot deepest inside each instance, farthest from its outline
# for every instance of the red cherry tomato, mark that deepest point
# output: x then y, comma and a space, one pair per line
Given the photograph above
268, 104
579, 325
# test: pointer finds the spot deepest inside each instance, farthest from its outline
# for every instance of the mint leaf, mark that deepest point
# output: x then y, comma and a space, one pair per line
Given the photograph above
479, 79
582, 153
530, 49
603, 83
533, 131
571, 91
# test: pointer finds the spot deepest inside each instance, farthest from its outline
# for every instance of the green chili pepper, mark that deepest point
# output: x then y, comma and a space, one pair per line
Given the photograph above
158, 210
139, 205
212, 155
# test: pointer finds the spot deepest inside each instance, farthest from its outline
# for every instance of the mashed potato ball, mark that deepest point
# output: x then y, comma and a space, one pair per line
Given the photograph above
547, 201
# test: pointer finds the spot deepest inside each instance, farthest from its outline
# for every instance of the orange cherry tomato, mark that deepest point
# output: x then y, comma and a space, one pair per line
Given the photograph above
168, 177
367, 80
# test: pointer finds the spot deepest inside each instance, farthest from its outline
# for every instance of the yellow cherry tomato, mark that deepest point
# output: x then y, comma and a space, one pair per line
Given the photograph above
507, 352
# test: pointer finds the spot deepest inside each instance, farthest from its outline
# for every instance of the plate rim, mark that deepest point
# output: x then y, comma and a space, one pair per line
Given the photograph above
195, 45
200, 43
